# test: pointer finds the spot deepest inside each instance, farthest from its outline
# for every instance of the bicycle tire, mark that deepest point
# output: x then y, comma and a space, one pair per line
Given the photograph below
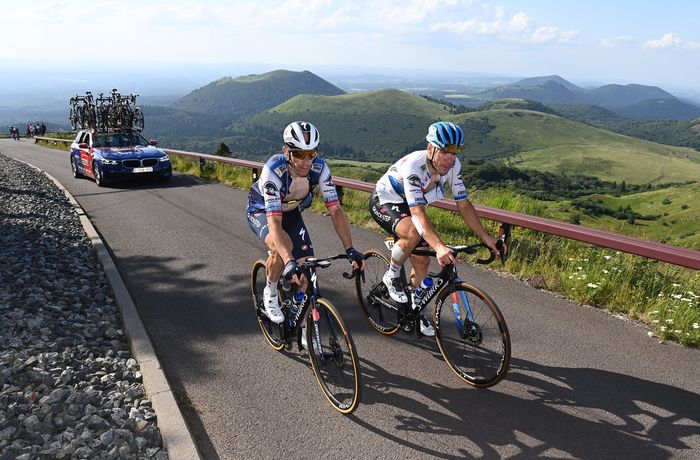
270, 330
477, 351
138, 119
383, 317
333, 357
73, 118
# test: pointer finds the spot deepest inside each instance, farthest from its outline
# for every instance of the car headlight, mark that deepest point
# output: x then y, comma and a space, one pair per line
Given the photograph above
110, 162
164, 159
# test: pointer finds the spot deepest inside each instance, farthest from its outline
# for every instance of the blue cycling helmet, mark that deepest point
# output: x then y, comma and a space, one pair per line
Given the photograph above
446, 136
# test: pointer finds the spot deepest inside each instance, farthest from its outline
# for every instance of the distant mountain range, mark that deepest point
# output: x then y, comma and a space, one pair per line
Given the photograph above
249, 113
634, 101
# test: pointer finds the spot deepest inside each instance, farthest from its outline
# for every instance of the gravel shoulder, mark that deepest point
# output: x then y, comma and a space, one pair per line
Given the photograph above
69, 386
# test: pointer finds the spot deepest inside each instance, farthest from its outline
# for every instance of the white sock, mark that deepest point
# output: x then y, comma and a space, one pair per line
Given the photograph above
394, 269
271, 287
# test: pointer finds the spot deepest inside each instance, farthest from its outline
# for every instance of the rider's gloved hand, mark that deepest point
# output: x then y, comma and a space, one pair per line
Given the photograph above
290, 270
355, 257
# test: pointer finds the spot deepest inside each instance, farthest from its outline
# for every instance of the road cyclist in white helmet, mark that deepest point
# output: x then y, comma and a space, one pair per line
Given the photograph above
275, 203
398, 206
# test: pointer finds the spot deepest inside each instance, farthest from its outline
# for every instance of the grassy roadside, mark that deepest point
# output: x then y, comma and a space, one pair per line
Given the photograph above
664, 296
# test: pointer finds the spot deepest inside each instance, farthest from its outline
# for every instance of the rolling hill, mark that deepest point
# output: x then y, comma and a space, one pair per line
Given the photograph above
372, 124
634, 101
382, 125
232, 98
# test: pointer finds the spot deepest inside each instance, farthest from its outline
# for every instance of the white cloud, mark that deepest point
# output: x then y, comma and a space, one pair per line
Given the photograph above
517, 23
552, 34
613, 42
671, 40
339, 17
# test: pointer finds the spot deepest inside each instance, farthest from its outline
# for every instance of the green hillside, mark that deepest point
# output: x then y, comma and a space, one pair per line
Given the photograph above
373, 125
232, 98
678, 206
551, 143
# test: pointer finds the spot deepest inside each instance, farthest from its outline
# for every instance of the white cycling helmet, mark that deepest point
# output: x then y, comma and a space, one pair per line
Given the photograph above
301, 135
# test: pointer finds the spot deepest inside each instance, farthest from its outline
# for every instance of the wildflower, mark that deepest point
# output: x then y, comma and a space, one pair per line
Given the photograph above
656, 321
607, 257
605, 271
686, 300
579, 268
593, 286
662, 328
677, 331
676, 285
696, 326
692, 294
676, 296
655, 312
571, 276
669, 321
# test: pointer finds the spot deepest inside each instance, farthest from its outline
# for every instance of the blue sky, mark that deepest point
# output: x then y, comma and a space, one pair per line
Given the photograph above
654, 43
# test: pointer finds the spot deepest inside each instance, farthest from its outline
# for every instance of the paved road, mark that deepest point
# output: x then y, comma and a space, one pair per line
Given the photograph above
582, 383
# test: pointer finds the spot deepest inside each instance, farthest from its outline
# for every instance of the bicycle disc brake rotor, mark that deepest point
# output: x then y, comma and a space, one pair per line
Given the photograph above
473, 333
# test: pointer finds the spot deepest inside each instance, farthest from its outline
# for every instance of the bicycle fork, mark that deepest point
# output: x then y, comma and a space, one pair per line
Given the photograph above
455, 307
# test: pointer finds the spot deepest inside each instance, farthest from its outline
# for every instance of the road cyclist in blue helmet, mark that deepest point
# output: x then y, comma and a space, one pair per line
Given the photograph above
275, 203
399, 200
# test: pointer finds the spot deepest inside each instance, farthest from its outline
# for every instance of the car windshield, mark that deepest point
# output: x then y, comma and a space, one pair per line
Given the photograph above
119, 140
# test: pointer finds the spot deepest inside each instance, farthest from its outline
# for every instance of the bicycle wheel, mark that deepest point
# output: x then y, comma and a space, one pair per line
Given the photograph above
73, 118
476, 345
138, 119
382, 315
333, 357
270, 330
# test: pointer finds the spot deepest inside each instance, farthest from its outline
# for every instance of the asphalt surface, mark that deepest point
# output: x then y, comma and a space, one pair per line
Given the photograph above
582, 383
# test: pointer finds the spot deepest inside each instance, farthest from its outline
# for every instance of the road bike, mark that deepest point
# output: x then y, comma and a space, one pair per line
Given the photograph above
330, 346
470, 330
82, 112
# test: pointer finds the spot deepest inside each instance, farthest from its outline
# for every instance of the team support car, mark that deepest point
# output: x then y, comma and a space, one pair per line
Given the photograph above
108, 157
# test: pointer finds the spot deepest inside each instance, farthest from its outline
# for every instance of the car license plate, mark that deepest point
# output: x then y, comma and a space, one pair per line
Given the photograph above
148, 169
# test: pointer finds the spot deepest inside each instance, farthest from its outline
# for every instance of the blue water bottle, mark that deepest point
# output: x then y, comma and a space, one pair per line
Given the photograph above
420, 291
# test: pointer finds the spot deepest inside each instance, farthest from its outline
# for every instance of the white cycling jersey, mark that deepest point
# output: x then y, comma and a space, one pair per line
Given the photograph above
408, 180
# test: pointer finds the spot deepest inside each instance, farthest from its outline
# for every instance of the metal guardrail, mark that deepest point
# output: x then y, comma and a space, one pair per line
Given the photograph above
51, 139
658, 251
676, 255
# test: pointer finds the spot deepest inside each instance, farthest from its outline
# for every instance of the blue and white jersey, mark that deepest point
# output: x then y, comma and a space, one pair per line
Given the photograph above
408, 180
277, 191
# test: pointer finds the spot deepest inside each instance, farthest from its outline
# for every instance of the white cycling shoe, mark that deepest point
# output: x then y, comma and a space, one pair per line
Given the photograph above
395, 289
272, 306
425, 327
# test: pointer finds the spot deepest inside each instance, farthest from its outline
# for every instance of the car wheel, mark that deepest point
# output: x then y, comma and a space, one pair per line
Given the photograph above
99, 177
74, 168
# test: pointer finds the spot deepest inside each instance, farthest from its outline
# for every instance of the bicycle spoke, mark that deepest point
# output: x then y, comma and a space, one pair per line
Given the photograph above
472, 336
381, 313
333, 358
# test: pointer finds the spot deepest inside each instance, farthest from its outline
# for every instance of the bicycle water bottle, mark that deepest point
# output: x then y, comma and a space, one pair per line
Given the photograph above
420, 291
296, 305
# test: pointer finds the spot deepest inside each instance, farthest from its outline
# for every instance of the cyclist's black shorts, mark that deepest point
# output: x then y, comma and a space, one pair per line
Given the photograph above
293, 224
389, 215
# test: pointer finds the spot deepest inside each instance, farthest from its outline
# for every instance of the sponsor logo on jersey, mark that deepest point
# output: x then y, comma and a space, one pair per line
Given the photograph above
280, 170
414, 180
316, 167
329, 182
270, 188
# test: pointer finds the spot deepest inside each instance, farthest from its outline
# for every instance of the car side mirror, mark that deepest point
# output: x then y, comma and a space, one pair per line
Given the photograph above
153, 142
83, 146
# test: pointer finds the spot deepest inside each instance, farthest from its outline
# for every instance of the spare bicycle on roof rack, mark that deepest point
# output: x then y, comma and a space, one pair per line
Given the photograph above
106, 114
